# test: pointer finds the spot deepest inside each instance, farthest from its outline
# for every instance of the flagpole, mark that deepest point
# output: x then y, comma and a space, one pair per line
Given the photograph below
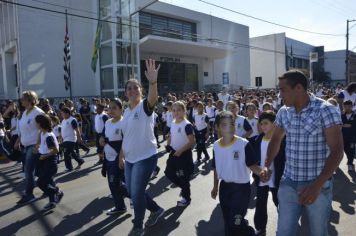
70, 74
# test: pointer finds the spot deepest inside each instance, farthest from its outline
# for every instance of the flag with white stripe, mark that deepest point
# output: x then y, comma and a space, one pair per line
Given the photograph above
67, 77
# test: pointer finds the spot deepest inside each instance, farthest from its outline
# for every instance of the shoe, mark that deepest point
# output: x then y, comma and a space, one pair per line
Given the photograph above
260, 233
87, 152
98, 163
155, 172
49, 206
197, 162
183, 202
136, 232
79, 166
351, 168
131, 204
44, 195
115, 211
206, 159
154, 217
59, 196
68, 170
26, 199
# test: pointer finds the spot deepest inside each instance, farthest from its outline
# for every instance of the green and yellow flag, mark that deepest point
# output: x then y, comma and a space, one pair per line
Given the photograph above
94, 58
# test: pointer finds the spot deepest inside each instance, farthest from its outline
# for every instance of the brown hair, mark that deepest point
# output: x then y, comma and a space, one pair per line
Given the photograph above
31, 97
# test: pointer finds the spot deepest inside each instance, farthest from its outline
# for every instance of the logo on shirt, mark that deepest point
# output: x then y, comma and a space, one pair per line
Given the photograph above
253, 123
117, 131
136, 116
179, 130
29, 121
238, 125
236, 155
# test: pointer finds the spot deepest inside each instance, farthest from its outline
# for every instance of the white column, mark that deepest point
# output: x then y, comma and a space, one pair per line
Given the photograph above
4, 76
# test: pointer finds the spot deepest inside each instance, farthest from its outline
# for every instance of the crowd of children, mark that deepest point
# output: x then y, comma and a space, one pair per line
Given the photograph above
239, 126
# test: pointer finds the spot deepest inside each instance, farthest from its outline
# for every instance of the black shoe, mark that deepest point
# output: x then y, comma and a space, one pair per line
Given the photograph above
49, 206
59, 196
26, 199
260, 233
79, 165
114, 211
206, 159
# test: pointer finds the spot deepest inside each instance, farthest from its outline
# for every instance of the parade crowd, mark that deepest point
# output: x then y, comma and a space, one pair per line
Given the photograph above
290, 140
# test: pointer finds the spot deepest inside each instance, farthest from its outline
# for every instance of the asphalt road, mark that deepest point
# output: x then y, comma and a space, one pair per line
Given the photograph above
82, 210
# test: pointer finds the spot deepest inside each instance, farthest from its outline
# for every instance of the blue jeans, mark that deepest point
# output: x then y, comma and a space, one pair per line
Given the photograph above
117, 188
30, 165
290, 210
137, 176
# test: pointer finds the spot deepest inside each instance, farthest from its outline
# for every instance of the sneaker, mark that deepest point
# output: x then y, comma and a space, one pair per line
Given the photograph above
98, 163
136, 232
260, 233
79, 165
154, 217
351, 168
197, 162
183, 202
26, 199
59, 196
206, 159
67, 170
115, 211
87, 152
131, 204
155, 172
49, 206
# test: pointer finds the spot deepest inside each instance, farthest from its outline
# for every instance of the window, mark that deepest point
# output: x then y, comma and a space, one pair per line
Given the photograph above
107, 81
166, 27
106, 54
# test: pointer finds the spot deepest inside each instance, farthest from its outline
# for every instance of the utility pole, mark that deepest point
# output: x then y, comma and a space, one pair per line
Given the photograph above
347, 60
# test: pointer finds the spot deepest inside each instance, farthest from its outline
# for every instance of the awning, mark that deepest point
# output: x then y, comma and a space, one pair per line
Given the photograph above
156, 44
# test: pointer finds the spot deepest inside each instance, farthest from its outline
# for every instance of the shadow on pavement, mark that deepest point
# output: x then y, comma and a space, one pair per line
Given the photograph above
213, 227
75, 174
74, 222
168, 223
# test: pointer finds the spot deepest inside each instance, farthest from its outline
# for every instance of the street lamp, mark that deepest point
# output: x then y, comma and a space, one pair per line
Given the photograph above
131, 28
347, 61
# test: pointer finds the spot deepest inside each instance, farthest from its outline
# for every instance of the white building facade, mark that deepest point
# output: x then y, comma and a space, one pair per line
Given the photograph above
196, 51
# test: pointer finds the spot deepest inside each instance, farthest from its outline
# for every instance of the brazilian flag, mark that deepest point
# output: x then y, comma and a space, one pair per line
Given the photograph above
94, 58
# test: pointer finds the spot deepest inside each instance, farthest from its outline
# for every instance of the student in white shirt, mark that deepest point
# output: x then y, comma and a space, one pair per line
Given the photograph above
260, 144
13, 113
251, 110
179, 144
47, 165
201, 124
99, 123
28, 138
233, 162
210, 110
243, 128
139, 148
111, 141
348, 94
70, 134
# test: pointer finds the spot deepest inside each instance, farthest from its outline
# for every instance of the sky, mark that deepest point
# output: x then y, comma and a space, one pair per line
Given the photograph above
324, 16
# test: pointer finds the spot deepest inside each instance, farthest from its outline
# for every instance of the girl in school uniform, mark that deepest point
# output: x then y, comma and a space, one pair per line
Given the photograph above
111, 143
242, 126
251, 110
179, 144
47, 165
70, 134
233, 162
57, 132
210, 110
140, 160
201, 123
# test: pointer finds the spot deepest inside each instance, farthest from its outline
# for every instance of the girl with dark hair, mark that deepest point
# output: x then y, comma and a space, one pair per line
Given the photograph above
47, 164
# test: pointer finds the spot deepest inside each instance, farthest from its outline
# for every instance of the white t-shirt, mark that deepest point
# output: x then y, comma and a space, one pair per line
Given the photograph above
254, 124
100, 120
28, 128
241, 126
346, 96
179, 134
210, 111
48, 140
68, 127
169, 118
224, 98
201, 121
139, 142
14, 126
270, 182
113, 134
231, 161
